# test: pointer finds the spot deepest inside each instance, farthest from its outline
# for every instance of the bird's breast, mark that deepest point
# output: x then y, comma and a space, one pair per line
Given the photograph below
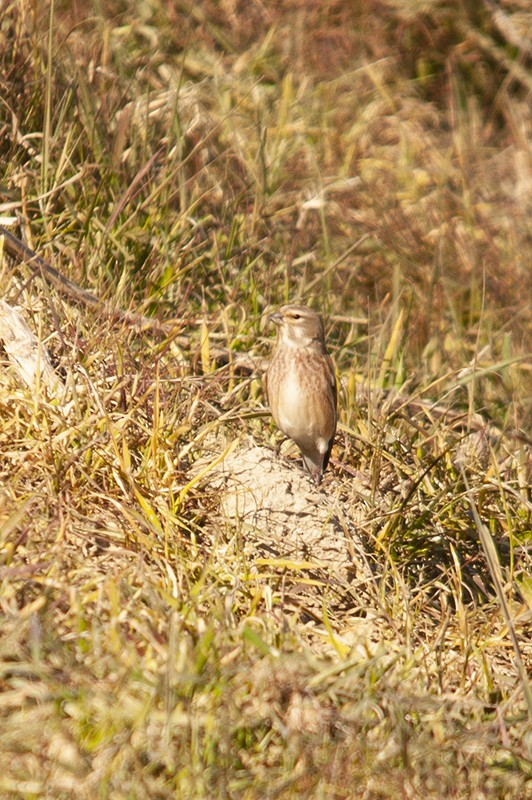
302, 409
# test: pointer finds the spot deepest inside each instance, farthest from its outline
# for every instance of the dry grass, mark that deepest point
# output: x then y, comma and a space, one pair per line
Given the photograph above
202, 163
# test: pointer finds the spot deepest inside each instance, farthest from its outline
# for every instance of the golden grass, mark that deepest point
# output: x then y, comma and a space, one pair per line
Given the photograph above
202, 163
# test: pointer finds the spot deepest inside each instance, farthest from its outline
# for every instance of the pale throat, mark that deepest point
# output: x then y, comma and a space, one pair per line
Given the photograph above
300, 342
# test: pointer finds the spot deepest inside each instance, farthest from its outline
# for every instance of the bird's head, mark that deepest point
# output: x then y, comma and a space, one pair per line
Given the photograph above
299, 326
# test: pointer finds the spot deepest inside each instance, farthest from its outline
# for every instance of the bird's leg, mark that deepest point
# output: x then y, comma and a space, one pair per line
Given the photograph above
277, 447
317, 477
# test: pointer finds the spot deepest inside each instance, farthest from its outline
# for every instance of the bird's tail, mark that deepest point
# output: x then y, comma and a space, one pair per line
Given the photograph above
315, 468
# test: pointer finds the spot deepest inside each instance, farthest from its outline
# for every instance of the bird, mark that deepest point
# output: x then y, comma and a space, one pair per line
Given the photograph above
301, 386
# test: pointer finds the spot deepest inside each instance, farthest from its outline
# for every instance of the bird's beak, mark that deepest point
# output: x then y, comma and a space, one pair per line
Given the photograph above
276, 318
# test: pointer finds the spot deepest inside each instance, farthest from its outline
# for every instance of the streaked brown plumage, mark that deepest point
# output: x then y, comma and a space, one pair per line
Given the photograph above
301, 386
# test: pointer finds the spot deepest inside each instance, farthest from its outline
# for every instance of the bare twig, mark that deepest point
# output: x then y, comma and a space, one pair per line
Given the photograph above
68, 288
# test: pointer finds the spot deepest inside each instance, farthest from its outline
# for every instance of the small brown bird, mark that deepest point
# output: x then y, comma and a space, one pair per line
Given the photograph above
301, 386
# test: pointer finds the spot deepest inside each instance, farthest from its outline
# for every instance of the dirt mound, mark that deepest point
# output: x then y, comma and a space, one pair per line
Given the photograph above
305, 535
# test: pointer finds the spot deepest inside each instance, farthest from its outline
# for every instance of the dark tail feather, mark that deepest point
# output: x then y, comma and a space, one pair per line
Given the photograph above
327, 455
316, 468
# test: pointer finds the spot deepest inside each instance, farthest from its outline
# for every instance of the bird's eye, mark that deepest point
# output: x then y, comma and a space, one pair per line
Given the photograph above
296, 316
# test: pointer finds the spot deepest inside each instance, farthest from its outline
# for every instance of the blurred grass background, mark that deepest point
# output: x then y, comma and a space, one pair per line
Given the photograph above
202, 163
